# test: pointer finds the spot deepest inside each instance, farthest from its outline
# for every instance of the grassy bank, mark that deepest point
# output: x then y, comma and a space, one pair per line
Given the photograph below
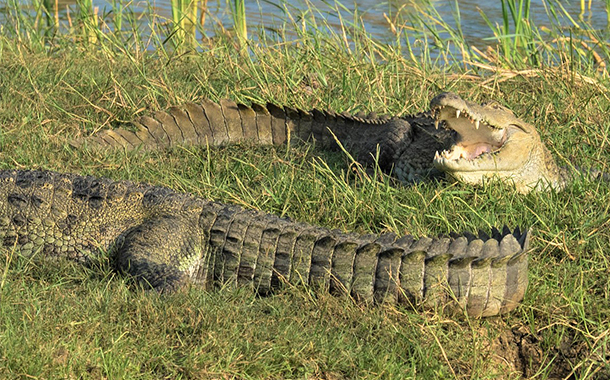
60, 321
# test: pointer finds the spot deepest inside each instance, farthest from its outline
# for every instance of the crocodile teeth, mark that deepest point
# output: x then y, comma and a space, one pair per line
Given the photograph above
476, 124
437, 156
436, 122
457, 113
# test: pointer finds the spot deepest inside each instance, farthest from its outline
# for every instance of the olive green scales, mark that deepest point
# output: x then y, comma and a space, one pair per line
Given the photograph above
476, 142
168, 240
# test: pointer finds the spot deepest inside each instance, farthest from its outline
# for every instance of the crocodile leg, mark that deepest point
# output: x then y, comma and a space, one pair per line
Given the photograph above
162, 252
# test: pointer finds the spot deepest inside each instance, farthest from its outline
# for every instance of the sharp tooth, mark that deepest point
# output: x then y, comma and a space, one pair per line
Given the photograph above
457, 114
476, 124
436, 122
437, 156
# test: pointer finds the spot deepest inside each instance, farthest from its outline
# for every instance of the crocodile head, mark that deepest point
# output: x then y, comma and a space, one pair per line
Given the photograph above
491, 142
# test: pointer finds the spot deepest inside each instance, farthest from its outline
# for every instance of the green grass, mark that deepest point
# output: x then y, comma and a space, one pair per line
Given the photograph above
58, 320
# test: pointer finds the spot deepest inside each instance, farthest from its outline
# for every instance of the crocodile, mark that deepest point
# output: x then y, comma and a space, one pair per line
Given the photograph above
491, 142
477, 141
169, 240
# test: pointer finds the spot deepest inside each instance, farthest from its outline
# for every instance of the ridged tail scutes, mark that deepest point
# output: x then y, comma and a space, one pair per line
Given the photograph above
227, 122
483, 275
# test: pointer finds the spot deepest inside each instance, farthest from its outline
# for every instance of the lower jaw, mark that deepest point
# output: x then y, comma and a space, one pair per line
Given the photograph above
479, 176
472, 167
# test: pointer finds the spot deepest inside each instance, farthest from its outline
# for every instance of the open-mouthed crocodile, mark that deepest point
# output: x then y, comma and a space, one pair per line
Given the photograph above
477, 141
491, 142
168, 239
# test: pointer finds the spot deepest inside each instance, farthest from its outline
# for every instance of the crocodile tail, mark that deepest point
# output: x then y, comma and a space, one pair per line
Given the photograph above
206, 123
226, 122
483, 275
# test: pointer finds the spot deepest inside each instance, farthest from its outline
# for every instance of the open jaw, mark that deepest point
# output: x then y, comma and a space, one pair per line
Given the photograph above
478, 141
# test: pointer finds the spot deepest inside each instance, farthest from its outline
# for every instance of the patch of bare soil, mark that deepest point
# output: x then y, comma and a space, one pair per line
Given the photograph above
527, 353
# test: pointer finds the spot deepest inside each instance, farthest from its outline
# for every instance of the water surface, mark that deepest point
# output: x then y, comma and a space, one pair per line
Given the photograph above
271, 13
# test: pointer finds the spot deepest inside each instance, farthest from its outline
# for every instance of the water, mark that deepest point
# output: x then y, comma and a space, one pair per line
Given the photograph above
269, 13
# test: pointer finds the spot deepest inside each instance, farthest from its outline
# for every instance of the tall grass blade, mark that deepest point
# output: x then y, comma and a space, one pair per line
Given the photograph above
118, 9
238, 11
88, 20
184, 17
48, 9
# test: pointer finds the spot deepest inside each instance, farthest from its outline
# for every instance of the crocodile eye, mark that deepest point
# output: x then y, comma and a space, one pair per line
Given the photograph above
493, 104
500, 107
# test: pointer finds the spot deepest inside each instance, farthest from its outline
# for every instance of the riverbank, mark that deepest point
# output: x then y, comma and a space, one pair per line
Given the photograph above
60, 320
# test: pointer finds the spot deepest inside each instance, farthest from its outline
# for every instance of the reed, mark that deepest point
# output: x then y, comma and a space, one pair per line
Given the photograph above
517, 37
184, 17
50, 13
118, 9
88, 18
238, 11
515, 42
